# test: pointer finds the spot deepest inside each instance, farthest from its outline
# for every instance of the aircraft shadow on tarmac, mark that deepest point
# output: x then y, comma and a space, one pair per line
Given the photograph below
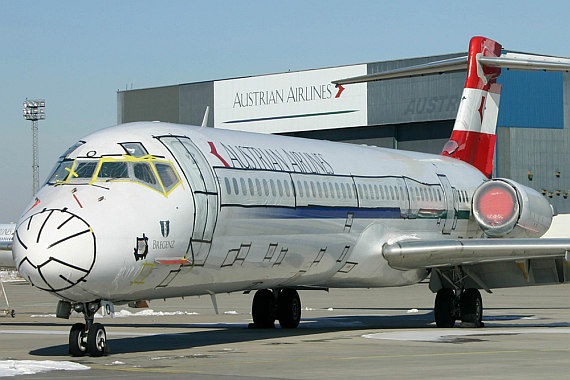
235, 333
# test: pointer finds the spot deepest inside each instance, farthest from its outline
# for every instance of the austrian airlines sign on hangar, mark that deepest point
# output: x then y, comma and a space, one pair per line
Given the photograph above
291, 102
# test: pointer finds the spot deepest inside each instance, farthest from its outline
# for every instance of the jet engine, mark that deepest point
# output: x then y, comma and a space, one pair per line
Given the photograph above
504, 208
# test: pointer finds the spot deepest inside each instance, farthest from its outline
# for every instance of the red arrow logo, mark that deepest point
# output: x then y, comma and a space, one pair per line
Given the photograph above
340, 90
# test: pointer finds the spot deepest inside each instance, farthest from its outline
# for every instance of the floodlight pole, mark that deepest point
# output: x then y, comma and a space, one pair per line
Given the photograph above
34, 110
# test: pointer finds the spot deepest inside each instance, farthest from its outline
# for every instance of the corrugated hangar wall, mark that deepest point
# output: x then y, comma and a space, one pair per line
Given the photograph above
540, 157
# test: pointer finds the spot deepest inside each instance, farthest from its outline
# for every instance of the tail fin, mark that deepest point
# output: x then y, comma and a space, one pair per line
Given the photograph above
474, 133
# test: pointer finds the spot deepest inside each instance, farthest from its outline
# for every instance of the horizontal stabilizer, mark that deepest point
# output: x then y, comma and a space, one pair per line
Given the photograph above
437, 67
416, 254
527, 64
512, 61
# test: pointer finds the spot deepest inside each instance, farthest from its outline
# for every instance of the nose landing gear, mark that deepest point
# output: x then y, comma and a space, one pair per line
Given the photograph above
87, 338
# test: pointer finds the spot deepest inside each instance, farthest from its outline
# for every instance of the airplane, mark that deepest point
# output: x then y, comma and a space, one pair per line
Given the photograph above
6, 262
6, 236
152, 210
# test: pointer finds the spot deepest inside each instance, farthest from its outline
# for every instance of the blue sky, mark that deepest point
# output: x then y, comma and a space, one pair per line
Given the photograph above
77, 54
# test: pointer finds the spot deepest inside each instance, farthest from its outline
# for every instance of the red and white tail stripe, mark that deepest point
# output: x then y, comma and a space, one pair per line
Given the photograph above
474, 133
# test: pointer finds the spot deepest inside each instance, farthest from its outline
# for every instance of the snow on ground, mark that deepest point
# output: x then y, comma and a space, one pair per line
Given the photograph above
30, 367
8, 275
125, 313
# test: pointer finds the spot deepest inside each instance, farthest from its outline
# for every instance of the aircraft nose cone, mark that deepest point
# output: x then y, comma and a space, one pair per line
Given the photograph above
54, 249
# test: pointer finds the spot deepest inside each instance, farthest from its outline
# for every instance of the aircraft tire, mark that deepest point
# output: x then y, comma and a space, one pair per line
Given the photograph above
77, 346
289, 308
444, 309
97, 340
263, 309
471, 308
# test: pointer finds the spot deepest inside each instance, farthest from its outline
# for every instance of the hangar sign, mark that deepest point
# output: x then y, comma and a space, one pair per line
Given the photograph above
291, 102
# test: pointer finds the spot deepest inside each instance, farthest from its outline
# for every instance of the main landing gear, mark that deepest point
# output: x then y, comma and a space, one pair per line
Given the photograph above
281, 304
87, 338
465, 305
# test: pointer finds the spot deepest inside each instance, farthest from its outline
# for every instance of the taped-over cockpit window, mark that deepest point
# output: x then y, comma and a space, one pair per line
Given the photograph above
113, 170
143, 172
167, 175
148, 171
84, 169
60, 172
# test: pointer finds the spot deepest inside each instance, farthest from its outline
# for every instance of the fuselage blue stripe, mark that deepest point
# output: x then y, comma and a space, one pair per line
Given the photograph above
322, 213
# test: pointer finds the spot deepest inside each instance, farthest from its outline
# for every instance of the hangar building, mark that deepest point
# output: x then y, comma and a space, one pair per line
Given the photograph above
533, 134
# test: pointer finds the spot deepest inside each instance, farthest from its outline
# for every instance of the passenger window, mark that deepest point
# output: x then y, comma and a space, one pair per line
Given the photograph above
287, 190
144, 173
113, 170
258, 186
236, 189
266, 187
331, 188
251, 189
228, 186
243, 188
273, 192
280, 188
300, 188
343, 190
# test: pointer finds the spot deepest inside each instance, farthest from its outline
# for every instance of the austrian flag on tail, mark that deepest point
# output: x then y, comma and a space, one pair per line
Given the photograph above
474, 133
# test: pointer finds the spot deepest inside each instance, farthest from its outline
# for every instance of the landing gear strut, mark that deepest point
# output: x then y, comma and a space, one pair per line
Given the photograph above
86, 338
282, 304
466, 305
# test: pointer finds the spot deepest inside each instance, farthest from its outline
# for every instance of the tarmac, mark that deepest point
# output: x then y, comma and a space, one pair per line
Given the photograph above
344, 333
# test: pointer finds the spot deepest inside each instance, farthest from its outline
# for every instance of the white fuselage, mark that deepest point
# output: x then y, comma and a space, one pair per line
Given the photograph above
238, 211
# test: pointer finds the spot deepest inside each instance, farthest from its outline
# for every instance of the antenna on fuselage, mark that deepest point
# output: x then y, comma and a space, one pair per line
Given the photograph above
205, 120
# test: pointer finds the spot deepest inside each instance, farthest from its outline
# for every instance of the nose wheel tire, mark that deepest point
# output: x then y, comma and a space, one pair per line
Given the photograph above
92, 342
77, 340
97, 340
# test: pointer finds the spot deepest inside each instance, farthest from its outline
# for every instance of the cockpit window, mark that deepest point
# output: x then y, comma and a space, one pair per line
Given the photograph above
60, 172
112, 170
135, 149
167, 175
84, 169
143, 172
148, 171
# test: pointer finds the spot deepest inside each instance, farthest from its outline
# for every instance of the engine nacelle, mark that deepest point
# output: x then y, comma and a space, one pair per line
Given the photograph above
504, 208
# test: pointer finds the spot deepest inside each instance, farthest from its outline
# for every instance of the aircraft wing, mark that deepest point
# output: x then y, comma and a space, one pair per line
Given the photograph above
416, 254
